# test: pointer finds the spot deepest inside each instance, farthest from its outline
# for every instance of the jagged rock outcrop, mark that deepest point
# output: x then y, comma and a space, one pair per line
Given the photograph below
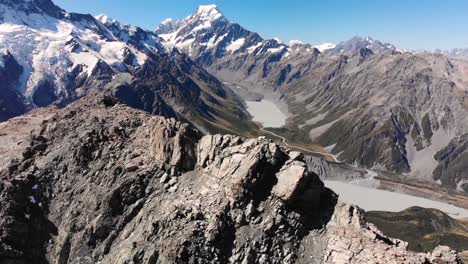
99, 182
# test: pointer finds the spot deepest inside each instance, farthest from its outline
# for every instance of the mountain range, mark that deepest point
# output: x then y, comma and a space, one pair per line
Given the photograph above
120, 144
51, 56
368, 103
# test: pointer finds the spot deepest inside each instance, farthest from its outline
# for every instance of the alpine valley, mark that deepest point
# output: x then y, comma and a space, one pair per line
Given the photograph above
120, 144
410, 108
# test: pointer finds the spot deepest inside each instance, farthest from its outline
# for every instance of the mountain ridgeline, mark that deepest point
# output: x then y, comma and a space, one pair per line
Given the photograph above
50, 56
369, 103
116, 145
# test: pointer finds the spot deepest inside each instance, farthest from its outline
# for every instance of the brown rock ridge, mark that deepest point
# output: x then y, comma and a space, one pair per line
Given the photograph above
99, 182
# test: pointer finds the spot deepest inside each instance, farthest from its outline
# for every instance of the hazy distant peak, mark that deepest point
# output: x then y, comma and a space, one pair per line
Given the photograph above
357, 43
295, 42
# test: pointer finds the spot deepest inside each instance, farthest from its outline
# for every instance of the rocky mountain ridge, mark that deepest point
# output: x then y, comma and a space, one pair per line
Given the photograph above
213, 41
413, 105
102, 182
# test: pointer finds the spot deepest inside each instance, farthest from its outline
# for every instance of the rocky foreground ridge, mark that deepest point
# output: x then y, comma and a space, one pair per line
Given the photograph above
99, 182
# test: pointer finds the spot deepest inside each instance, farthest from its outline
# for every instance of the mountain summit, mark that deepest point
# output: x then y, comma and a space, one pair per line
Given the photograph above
207, 13
207, 35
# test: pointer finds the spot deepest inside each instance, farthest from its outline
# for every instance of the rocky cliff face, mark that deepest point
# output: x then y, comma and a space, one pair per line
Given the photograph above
12, 103
395, 111
452, 163
101, 182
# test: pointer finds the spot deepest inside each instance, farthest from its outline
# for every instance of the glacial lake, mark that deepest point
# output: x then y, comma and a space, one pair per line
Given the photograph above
266, 113
379, 200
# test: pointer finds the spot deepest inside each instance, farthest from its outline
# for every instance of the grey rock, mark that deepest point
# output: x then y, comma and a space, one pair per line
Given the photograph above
164, 178
91, 210
290, 178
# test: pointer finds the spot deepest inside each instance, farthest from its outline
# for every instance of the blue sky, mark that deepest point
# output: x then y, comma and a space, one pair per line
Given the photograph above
409, 24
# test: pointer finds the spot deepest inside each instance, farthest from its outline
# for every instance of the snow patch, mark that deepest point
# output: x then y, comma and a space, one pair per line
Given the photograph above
254, 47
204, 25
235, 45
325, 46
275, 50
87, 59
3, 52
215, 40
168, 37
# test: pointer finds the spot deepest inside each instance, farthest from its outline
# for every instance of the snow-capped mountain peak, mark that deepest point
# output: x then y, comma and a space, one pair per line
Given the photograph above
207, 13
55, 57
103, 18
167, 25
56, 52
207, 35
